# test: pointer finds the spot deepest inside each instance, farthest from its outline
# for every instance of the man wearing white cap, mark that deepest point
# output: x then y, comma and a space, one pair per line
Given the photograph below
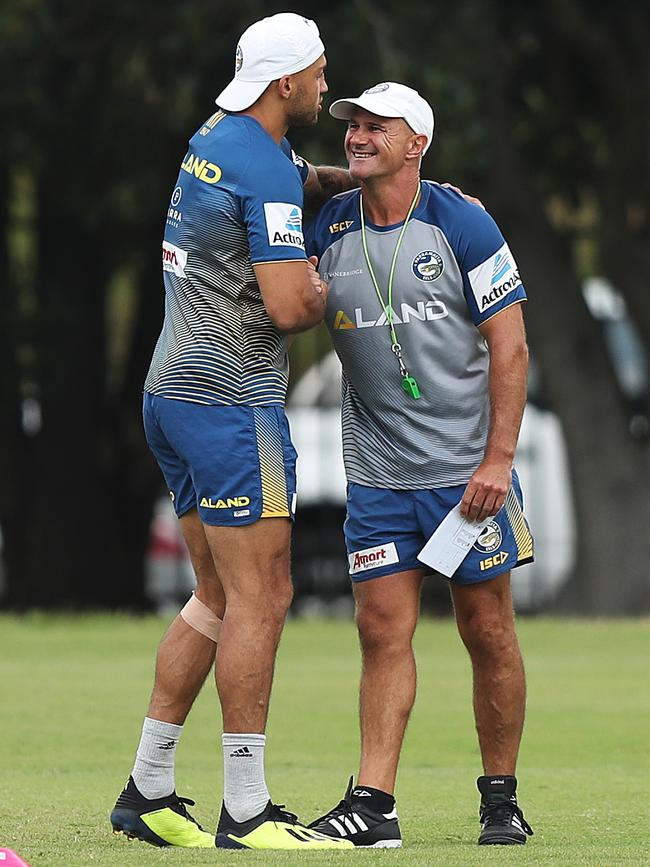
424, 309
236, 283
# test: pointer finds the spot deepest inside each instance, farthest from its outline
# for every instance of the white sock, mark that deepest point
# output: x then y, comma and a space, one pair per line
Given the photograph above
153, 771
244, 786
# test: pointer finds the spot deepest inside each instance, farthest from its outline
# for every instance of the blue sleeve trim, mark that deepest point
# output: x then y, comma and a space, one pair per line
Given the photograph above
271, 196
491, 279
335, 218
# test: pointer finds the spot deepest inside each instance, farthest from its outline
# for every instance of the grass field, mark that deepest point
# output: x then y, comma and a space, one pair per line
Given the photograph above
73, 693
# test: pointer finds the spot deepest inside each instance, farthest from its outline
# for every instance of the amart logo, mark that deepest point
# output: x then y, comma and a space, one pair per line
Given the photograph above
372, 558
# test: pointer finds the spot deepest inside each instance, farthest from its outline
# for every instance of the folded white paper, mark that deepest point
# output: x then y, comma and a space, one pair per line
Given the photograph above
450, 544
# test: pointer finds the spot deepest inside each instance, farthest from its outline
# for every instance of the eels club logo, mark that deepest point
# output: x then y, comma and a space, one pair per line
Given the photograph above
489, 538
428, 265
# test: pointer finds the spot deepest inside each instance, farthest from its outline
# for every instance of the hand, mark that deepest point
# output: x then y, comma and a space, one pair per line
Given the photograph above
486, 491
314, 277
472, 199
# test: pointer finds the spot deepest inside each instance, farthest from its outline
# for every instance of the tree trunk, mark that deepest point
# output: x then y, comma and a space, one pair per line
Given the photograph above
609, 472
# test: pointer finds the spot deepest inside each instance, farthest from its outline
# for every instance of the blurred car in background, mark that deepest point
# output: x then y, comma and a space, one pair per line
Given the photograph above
625, 349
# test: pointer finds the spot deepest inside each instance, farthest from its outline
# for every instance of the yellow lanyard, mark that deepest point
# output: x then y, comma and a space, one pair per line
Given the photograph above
409, 384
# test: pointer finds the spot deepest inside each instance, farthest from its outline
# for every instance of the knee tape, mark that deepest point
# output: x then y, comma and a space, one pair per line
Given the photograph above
200, 617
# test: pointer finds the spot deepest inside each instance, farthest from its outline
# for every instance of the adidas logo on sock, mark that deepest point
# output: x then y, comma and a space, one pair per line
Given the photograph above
241, 753
168, 746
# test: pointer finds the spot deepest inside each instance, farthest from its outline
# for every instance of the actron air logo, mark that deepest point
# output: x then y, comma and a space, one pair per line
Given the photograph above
424, 311
494, 278
284, 224
205, 171
501, 268
294, 222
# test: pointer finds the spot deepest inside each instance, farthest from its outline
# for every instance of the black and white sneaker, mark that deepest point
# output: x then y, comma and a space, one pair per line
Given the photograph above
366, 817
273, 828
502, 820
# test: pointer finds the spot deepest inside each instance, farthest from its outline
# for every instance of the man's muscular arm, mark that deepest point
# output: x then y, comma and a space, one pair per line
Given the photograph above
323, 182
506, 339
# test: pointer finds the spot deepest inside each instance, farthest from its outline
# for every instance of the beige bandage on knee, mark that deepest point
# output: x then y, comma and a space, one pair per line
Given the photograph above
200, 617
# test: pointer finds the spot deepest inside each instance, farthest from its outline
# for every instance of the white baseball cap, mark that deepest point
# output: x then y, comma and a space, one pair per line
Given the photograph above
390, 99
270, 48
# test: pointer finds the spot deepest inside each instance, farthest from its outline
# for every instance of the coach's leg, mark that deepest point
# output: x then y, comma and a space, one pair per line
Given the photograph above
387, 612
185, 656
485, 619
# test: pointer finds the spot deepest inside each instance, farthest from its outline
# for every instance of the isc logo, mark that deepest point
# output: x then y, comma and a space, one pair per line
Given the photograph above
497, 560
340, 227
228, 503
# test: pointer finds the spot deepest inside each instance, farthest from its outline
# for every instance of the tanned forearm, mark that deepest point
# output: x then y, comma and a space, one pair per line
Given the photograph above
312, 314
507, 388
323, 183
487, 489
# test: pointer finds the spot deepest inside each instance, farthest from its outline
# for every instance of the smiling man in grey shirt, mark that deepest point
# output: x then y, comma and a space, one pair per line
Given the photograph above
424, 309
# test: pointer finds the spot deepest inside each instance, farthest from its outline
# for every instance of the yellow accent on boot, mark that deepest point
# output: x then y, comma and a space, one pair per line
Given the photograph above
177, 830
282, 835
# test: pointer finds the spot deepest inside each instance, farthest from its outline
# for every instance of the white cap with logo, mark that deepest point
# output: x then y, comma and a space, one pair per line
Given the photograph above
279, 45
390, 99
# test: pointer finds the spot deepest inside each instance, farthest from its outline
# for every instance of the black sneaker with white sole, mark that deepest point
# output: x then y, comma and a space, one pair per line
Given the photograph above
366, 817
502, 820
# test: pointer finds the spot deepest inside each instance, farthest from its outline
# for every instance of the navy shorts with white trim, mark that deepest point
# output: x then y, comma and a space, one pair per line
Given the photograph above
386, 529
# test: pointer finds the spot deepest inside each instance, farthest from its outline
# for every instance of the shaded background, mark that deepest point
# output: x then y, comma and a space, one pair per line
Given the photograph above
543, 112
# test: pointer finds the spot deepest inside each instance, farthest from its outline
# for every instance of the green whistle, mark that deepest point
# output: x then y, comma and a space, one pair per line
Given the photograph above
410, 386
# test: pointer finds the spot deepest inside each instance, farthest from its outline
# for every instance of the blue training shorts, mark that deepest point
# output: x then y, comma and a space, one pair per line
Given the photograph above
386, 529
234, 464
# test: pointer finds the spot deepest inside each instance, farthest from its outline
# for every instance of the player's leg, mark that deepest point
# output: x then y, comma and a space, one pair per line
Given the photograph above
149, 808
485, 619
186, 655
253, 564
